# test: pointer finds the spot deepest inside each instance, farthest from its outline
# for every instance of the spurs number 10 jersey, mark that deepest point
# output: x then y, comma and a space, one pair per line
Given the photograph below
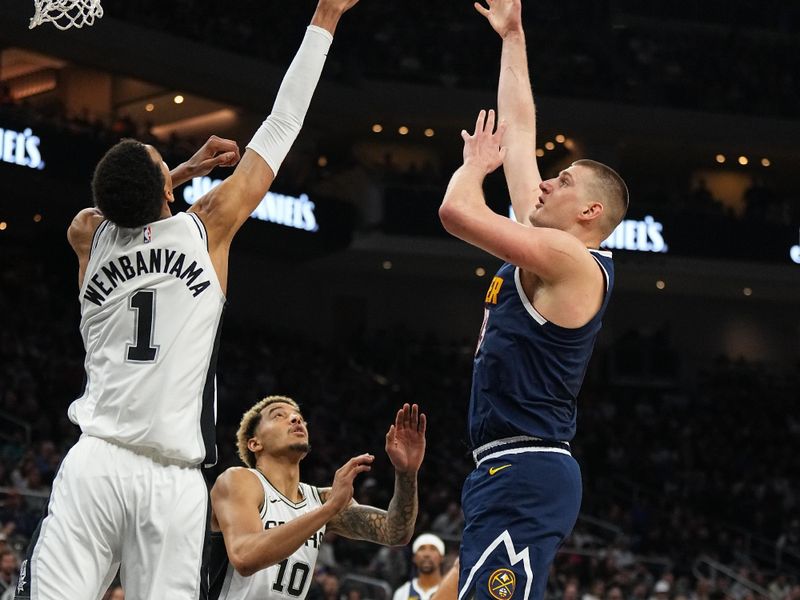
287, 580
151, 309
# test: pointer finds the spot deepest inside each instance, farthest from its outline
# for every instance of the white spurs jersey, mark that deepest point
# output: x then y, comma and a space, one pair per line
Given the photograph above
287, 580
151, 310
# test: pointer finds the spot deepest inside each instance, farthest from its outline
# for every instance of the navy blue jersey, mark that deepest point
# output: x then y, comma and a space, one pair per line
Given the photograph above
528, 371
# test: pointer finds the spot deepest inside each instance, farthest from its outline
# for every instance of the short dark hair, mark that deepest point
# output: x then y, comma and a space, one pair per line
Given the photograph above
128, 186
612, 192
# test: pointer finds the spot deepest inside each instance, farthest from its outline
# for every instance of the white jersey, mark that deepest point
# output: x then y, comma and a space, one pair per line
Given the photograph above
151, 310
290, 578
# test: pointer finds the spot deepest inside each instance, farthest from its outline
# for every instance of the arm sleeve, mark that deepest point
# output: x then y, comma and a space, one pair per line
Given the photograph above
278, 132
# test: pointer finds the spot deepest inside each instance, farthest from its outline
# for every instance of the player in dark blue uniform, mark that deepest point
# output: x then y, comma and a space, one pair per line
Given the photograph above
543, 311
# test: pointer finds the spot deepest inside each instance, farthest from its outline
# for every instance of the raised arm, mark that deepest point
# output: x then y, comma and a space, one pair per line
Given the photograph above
236, 498
405, 445
225, 208
515, 105
550, 253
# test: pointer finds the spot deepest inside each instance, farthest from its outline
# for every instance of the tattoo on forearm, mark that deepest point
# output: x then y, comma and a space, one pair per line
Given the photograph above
388, 527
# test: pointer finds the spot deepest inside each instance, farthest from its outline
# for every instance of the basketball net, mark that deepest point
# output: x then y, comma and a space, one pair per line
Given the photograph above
66, 13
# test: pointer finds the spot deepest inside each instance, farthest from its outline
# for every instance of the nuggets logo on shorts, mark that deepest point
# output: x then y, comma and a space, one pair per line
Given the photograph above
502, 583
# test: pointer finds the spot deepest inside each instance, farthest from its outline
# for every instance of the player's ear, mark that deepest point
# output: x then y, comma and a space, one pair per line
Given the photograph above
592, 211
168, 193
254, 445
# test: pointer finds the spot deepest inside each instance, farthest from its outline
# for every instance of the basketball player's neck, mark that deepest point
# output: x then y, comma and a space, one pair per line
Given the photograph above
283, 473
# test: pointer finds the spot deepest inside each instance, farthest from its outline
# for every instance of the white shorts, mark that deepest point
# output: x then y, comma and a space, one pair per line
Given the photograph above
115, 508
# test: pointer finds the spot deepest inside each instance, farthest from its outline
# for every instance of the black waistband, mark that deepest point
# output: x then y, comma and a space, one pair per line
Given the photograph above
506, 445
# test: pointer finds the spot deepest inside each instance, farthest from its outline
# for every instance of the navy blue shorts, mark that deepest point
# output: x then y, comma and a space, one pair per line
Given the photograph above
519, 506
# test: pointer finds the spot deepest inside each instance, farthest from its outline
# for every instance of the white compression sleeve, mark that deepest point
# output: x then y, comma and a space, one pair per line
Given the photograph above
276, 135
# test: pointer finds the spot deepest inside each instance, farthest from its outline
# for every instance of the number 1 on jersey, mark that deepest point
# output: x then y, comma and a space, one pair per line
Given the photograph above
143, 303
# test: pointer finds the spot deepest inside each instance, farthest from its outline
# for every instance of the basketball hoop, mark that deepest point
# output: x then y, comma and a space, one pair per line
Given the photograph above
66, 13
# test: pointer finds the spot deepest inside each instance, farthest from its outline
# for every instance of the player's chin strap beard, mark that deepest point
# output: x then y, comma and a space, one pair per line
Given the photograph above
301, 447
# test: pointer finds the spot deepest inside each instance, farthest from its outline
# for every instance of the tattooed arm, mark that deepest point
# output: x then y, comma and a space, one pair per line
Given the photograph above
405, 445
393, 527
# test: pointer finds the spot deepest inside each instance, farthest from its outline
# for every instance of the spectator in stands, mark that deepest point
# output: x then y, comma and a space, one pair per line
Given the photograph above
428, 554
9, 570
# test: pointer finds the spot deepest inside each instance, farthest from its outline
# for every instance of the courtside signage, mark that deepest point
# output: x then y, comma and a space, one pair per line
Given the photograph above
20, 148
296, 212
643, 236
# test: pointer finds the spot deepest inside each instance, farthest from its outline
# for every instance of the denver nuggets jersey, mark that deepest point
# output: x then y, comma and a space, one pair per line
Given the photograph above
527, 371
291, 577
151, 308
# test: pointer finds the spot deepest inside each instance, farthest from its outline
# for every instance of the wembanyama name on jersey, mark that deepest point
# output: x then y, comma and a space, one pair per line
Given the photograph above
144, 262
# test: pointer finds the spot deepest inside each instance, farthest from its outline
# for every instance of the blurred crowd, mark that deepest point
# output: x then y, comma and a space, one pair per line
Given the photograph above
701, 55
677, 476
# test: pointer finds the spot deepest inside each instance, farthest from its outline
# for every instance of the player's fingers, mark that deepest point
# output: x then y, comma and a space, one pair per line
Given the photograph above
357, 460
480, 122
464, 135
503, 154
407, 416
415, 417
390, 434
398, 419
361, 469
489, 128
481, 9
223, 144
423, 423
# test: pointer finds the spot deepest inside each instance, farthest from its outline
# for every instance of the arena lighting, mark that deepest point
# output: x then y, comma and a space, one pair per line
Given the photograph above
377, 128
720, 158
178, 99
765, 162
322, 161
37, 218
560, 139
480, 271
747, 291
20, 148
150, 107
794, 254
403, 130
429, 132
549, 145
660, 284
3, 225
296, 212
743, 160
387, 264
539, 152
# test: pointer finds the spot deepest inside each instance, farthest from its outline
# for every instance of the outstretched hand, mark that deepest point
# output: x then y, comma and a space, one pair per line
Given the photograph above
405, 440
342, 488
504, 16
216, 152
482, 148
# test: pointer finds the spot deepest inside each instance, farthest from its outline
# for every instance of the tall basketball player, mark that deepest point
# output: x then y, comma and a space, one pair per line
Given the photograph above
542, 313
270, 525
152, 290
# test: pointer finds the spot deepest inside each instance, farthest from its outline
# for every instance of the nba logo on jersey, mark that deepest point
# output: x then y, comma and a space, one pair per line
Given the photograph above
148, 234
